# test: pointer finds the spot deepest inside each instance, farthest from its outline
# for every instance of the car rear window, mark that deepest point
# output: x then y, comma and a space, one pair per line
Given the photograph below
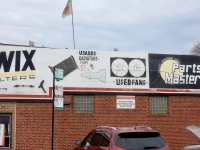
139, 140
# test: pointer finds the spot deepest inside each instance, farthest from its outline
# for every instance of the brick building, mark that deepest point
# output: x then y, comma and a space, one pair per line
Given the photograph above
99, 88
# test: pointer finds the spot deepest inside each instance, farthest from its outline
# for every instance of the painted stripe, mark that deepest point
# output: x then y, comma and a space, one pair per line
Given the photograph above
8, 74
116, 91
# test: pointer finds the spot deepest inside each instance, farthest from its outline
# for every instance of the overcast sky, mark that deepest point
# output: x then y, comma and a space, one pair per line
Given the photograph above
152, 26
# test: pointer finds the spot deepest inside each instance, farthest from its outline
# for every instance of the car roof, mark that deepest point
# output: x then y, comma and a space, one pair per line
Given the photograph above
192, 147
126, 129
194, 129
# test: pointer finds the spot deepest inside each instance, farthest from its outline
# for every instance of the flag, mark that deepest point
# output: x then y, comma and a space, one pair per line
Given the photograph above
68, 9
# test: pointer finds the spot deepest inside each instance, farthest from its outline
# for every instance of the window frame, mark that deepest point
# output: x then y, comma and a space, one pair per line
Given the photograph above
84, 107
158, 107
96, 139
88, 139
8, 133
106, 138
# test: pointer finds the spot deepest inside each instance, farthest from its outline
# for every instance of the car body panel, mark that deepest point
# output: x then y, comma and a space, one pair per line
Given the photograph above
192, 147
196, 130
103, 138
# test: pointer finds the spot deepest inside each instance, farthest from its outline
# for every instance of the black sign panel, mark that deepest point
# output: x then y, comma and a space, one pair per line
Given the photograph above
174, 71
128, 67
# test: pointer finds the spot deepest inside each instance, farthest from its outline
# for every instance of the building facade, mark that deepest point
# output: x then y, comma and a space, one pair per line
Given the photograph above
97, 88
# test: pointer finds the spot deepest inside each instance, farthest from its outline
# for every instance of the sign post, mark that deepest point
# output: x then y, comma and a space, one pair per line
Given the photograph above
57, 75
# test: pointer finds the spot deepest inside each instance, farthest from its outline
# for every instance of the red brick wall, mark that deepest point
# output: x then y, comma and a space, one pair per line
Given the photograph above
33, 126
34, 121
183, 111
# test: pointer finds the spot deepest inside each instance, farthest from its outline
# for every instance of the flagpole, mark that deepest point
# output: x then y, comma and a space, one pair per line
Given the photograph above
73, 24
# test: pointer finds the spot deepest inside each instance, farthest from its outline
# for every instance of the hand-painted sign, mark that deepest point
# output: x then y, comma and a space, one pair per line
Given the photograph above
23, 69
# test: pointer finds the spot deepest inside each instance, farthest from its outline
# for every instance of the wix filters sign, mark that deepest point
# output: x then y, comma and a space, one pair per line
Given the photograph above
25, 72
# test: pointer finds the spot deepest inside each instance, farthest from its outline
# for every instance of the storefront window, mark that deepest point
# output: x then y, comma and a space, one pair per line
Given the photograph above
5, 131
